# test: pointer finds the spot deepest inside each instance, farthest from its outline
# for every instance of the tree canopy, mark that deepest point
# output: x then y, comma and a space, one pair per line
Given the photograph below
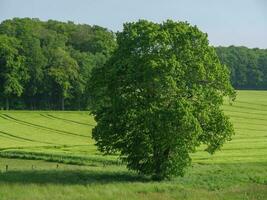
47, 65
159, 97
36, 46
12, 72
248, 67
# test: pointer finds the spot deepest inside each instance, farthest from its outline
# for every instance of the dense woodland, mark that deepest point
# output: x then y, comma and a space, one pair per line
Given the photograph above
47, 65
248, 67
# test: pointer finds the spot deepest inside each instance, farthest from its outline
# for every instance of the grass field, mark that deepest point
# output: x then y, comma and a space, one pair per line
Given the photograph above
28, 140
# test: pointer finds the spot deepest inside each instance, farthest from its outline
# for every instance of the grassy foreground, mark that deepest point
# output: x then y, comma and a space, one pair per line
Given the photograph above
79, 171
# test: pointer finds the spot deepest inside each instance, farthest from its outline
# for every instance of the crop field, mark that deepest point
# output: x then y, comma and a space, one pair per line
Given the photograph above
51, 155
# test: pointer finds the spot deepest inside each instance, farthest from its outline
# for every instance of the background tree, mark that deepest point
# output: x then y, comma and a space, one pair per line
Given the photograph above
159, 97
35, 62
89, 46
246, 65
86, 61
262, 62
12, 70
63, 71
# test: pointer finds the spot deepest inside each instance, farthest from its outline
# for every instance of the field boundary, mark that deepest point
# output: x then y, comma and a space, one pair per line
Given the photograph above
65, 159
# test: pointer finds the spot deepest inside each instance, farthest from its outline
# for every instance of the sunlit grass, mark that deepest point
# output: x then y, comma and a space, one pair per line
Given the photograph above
237, 171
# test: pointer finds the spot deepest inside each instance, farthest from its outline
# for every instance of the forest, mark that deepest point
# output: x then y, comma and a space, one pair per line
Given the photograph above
46, 65
248, 67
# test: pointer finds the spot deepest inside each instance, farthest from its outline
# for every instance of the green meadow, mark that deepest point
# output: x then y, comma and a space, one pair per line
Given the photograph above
51, 155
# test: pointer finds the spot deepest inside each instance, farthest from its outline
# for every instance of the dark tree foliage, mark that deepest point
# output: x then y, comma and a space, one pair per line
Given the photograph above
12, 70
38, 44
248, 67
159, 97
51, 62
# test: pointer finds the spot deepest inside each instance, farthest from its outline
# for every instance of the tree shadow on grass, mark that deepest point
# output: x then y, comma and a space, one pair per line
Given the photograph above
69, 177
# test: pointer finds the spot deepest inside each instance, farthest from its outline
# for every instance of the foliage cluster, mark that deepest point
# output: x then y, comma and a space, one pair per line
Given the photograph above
248, 67
159, 97
46, 65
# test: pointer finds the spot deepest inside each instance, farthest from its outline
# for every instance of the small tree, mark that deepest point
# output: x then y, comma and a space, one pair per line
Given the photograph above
159, 97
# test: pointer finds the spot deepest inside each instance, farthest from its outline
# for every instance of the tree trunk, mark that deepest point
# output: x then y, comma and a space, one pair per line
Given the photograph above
158, 175
160, 159
31, 104
7, 103
63, 103
79, 104
34, 104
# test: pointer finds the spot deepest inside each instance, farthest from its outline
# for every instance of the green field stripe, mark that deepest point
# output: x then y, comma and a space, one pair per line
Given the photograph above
254, 103
242, 112
56, 146
3, 117
68, 159
43, 127
228, 154
258, 125
33, 126
249, 123
68, 120
226, 149
243, 148
65, 120
250, 129
232, 159
262, 137
46, 116
241, 117
22, 138
246, 108
9, 137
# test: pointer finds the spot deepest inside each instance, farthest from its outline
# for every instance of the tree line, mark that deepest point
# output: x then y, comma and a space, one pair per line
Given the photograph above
248, 67
47, 65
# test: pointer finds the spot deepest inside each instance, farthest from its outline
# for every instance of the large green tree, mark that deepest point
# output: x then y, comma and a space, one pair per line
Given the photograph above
12, 71
159, 97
